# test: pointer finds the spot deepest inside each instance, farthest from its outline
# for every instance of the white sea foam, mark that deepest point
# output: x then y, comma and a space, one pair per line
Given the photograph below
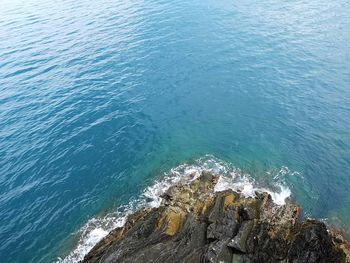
244, 183
230, 178
90, 234
280, 198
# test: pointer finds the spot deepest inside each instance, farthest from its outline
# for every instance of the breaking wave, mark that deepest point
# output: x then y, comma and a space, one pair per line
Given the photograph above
230, 178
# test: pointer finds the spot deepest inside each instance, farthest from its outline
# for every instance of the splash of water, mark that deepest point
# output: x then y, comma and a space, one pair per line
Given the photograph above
230, 177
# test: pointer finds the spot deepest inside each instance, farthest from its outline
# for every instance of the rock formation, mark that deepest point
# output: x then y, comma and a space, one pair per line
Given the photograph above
196, 224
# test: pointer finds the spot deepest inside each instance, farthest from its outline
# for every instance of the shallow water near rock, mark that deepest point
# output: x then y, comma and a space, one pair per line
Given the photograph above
100, 100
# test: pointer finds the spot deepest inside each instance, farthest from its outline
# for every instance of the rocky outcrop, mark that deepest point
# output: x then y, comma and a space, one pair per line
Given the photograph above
196, 224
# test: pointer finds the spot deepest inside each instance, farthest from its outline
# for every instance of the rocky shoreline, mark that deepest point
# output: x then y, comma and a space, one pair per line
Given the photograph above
196, 224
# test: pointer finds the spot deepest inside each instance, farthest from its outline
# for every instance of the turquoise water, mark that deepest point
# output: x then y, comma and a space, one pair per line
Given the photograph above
99, 98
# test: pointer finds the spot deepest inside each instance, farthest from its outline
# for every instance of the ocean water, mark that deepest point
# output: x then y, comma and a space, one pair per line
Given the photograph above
104, 104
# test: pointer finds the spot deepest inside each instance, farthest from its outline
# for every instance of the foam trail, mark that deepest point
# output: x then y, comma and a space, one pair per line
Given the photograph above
230, 178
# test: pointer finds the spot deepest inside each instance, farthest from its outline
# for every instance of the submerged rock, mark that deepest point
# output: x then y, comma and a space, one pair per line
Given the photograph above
196, 224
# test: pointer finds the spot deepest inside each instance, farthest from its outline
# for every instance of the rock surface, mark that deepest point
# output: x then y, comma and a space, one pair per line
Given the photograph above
196, 224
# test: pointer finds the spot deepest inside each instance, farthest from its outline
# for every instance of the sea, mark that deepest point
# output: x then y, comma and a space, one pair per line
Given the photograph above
105, 104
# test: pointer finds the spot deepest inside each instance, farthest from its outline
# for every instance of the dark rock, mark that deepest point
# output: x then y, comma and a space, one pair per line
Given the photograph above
313, 243
218, 251
239, 241
196, 224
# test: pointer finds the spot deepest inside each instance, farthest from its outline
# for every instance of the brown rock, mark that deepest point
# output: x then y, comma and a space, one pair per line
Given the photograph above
195, 224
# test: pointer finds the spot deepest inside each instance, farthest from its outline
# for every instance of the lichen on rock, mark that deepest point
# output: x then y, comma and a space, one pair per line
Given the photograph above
196, 224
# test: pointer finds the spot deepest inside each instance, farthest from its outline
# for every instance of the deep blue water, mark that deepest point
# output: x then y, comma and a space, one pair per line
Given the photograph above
98, 98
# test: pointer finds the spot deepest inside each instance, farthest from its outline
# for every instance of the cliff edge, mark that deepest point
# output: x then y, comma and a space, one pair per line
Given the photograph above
196, 224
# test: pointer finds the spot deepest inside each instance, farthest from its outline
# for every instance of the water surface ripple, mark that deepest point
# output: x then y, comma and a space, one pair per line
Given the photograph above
99, 97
